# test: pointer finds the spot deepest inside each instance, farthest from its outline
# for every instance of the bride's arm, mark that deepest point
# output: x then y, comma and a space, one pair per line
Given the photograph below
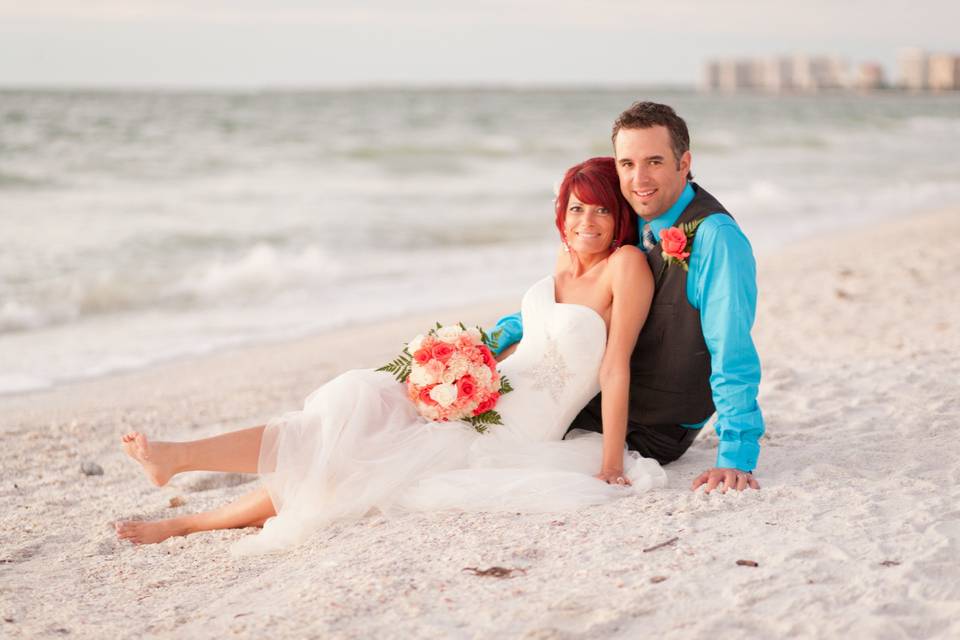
632, 286
500, 357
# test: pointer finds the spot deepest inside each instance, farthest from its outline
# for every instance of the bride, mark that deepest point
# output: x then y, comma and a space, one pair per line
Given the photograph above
359, 445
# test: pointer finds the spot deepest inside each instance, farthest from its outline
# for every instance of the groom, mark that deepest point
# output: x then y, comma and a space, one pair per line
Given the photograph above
694, 355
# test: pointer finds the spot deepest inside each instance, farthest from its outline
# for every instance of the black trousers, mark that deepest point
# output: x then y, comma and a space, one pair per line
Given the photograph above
662, 442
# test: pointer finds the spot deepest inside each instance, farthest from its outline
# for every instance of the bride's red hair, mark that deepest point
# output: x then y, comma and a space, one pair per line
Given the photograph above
595, 182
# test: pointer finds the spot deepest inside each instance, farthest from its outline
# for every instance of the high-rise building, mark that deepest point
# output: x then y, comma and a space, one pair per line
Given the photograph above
870, 77
735, 75
778, 74
748, 74
913, 69
802, 74
943, 72
711, 76
828, 73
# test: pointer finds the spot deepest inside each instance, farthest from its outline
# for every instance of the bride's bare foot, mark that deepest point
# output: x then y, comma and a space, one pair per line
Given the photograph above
156, 458
149, 532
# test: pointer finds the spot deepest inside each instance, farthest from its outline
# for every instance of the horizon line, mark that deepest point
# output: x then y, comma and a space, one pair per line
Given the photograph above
344, 87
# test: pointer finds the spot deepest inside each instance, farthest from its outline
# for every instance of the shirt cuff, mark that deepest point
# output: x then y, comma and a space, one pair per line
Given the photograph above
510, 331
739, 446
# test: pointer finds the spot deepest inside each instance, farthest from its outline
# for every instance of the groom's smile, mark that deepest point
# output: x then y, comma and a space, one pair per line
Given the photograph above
644, 194
651, 177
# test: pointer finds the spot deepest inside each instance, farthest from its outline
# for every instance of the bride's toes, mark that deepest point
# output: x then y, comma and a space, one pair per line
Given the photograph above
151, 456
139, 532
127, 530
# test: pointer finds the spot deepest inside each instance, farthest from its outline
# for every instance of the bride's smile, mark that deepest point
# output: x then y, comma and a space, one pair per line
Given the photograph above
589, 228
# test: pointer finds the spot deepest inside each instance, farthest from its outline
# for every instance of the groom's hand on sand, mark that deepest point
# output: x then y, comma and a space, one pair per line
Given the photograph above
725, 478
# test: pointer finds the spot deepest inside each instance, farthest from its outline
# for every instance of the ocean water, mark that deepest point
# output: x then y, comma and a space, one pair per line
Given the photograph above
137, 227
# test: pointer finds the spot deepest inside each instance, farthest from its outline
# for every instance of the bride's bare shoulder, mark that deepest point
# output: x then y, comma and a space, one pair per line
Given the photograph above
628, 261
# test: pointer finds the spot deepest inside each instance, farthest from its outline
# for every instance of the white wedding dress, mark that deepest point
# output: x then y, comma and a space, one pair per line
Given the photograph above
360, 446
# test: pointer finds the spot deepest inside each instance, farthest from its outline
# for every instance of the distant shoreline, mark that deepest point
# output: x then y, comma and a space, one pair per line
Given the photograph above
373, 87
678, 89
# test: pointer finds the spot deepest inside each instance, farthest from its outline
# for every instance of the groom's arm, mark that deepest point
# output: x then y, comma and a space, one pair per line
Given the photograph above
725, 291
510, 330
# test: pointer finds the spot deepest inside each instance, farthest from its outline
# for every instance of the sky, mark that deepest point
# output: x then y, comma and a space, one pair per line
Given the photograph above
290, 43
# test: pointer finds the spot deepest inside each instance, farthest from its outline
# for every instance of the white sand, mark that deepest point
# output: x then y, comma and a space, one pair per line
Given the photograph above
856, 530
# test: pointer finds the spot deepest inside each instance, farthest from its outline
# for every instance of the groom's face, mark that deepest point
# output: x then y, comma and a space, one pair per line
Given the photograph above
651, 177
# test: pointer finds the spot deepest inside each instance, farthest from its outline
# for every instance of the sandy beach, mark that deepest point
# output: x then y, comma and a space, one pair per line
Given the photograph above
856, 531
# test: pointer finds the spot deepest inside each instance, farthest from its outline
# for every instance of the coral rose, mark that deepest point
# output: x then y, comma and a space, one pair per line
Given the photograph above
488, 358
466, 387
422, 356
486, 405
425, 395
442, 351
673, 241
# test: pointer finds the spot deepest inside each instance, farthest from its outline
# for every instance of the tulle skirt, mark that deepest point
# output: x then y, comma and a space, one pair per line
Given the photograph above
359, 446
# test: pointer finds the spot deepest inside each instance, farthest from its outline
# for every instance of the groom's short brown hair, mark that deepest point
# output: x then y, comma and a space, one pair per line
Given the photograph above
643, 115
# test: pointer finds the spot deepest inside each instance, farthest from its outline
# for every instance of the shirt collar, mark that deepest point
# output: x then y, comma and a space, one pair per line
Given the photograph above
668, 217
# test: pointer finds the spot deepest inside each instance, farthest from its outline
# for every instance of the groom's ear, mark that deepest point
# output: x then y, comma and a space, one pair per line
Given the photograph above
683, 166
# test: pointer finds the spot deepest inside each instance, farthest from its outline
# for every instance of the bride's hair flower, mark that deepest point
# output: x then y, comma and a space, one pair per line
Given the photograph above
451, 374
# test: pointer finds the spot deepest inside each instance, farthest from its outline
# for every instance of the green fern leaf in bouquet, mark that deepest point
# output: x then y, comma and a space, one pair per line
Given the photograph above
399, 366
484, 420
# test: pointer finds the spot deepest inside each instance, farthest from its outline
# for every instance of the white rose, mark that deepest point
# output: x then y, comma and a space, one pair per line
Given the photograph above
448, 377
482, 375
458, 365
449, 334
421, 377
415, 344
444, 394
475, 335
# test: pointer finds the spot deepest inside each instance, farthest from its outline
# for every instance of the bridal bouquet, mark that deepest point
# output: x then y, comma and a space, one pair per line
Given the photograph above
451, 374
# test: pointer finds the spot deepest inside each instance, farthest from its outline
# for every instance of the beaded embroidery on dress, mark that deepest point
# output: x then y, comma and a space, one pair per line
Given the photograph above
360, 446
551, 372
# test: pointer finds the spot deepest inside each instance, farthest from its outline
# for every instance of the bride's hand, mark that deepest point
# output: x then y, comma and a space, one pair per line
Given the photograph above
613, 476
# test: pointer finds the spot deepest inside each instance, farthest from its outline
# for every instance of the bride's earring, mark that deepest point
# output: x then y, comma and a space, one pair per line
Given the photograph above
566, 247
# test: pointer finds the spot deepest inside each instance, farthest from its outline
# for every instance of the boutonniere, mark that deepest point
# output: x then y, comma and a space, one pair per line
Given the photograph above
675, 240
